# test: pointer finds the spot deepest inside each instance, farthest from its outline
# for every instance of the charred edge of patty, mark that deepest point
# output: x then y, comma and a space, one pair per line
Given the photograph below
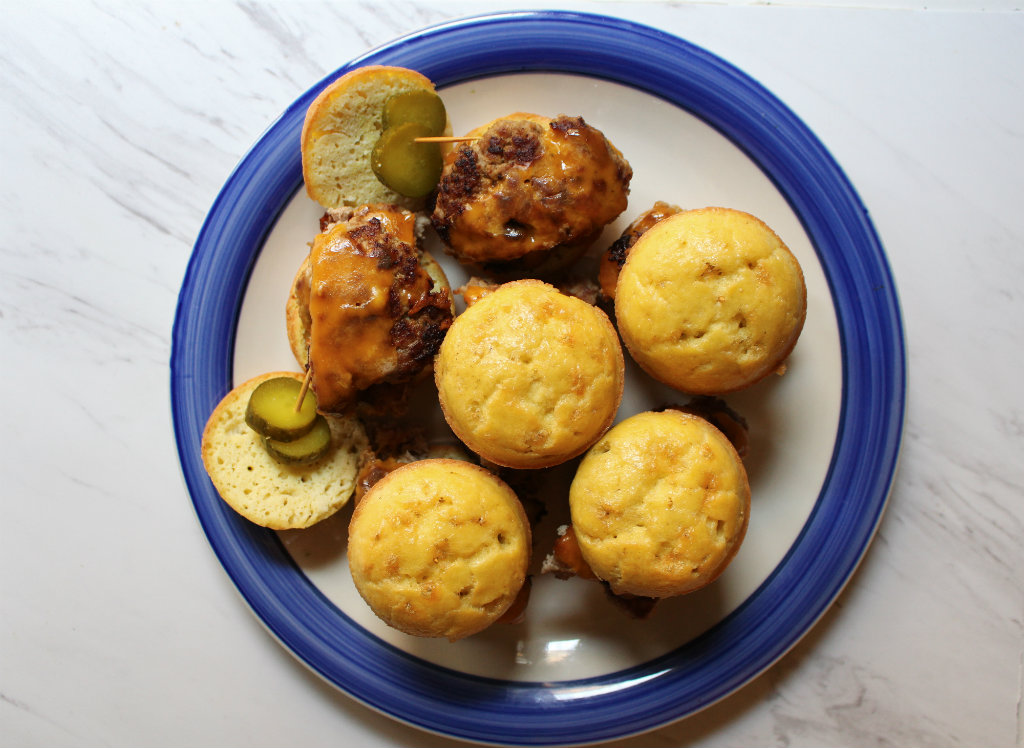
458, 184
384, 247
417, 338
507, 144
619, 249
515, 142
568, 126
417, 331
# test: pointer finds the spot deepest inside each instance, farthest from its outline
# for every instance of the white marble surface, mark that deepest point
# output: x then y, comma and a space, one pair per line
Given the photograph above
120, 122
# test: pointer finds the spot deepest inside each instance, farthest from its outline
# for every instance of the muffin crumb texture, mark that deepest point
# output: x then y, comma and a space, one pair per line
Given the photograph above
439, 548
660, 504
710, 301
529, 377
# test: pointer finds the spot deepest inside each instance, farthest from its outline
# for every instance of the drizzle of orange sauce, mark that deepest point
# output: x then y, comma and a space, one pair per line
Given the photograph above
567, 552
371, 472
472, 293
573, 184
351, 305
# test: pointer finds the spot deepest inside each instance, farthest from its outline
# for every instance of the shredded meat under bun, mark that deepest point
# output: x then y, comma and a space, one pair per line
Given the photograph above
529, 195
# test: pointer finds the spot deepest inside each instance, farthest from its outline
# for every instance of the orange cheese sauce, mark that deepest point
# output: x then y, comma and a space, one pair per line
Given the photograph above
352, 301
571, 189
473, 292
567, 552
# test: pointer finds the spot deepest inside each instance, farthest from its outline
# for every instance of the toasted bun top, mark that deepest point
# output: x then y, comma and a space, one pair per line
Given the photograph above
710, 301
660, 504
529, 377
341, 127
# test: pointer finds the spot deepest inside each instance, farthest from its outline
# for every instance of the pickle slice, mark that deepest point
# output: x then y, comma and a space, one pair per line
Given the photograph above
424, 107
308, 448
271, 409
409, 168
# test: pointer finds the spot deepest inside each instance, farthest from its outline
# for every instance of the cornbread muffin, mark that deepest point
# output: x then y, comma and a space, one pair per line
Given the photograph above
528, 377
266, 491
660, 505
529, 195
439, 548
341, 127
710, 301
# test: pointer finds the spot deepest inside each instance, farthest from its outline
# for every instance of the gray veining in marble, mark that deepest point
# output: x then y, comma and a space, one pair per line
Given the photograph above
121, 121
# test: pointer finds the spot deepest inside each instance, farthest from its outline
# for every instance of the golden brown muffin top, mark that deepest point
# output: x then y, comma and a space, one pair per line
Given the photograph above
439, 548
529, 377
710, 301
660, 504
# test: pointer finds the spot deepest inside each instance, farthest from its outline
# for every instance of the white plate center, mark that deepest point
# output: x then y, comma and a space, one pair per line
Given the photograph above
571, 629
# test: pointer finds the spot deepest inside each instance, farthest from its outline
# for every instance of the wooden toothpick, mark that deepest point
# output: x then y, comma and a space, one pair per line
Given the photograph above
305, 386
444, 139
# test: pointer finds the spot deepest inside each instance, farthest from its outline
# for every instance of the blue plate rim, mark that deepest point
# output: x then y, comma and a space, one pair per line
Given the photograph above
803, 585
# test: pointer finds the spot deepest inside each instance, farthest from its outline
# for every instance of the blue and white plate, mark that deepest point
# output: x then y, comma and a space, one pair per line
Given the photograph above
824, 437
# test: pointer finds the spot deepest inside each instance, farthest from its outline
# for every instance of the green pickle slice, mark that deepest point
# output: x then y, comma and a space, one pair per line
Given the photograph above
307, 448
271, 409
424, 107
410, 169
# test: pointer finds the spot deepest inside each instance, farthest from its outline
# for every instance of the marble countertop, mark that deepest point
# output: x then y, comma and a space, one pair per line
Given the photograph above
121, 122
